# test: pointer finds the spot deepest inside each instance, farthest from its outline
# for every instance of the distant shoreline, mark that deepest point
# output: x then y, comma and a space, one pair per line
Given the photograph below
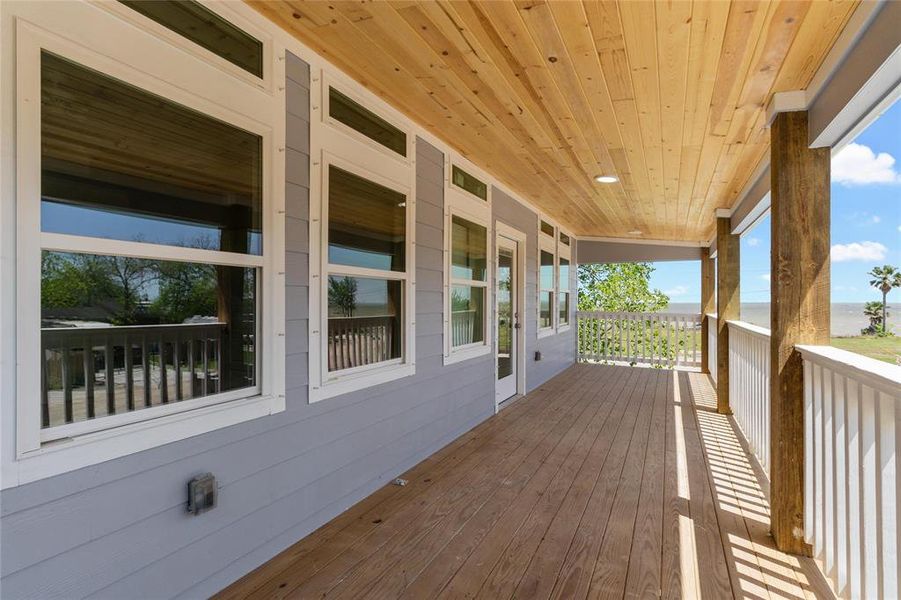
847, 317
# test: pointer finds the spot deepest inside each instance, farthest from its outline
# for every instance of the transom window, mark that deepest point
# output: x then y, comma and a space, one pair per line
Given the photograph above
344, 110
128, 325
547, 228
205, 28
469, 183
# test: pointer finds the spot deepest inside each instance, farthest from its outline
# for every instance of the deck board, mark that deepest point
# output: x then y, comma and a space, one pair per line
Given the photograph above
605, 482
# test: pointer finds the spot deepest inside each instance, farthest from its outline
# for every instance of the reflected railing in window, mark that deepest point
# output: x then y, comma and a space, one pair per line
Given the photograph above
466, 327
122, 334
99, 371
359, 341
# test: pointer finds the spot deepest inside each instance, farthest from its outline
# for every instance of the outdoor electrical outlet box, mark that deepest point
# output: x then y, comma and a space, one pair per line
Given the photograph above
202, 494
538, 355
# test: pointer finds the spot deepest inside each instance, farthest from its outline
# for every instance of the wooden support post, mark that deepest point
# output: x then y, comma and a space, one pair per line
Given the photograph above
727, 305
799, 309
707, 306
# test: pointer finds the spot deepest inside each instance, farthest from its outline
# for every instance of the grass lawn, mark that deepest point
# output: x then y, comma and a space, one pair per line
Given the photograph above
887, 349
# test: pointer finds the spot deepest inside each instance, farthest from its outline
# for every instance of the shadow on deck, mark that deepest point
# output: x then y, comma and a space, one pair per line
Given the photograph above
607, 481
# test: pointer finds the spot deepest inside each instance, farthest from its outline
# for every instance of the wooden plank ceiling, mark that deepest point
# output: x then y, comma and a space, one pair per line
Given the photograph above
668, 96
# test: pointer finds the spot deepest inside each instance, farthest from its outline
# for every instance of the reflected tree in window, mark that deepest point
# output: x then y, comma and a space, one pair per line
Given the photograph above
342, 294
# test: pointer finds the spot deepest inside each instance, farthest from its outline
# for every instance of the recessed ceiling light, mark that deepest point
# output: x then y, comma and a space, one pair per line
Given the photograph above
606, 179
635, 232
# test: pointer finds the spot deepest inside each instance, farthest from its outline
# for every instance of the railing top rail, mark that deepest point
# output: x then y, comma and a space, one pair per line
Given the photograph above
750, 328
609, 314
875, 373
92, 329
711, 315
363, 318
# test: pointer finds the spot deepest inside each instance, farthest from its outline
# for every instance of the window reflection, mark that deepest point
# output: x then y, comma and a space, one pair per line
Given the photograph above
120, 334
121, 163
467, 315
546, 271
364, 321
469, 247
366, 223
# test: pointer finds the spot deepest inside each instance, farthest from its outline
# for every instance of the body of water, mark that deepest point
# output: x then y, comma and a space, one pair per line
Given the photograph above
847, 317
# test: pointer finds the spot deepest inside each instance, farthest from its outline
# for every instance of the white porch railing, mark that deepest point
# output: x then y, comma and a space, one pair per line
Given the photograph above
749, 386
660, 339
852, 412
711, 346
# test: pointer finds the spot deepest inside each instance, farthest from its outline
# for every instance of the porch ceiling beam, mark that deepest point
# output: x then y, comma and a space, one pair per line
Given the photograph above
600, 250
800, 309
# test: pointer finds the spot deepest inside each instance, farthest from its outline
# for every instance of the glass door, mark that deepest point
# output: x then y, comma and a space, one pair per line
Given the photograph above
507, 318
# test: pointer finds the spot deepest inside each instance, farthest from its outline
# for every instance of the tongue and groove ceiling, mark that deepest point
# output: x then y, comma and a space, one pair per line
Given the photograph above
669, 96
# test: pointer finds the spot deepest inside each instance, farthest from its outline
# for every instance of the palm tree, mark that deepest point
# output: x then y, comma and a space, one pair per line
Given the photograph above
884, 279
873, 311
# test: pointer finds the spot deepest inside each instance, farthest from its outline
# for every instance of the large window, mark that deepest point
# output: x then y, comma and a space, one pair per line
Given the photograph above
546, 291
469, 282
366, 269
563, 287
361, 237
148, 278
547, 278
467, 274
124, 329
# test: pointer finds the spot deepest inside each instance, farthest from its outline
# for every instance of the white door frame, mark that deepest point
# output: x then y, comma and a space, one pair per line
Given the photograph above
515, 235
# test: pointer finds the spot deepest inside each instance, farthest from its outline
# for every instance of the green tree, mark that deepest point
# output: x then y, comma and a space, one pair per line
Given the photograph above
86, 280
185, 290
884, 279
622, 287
619, 287
342, 294
873, 311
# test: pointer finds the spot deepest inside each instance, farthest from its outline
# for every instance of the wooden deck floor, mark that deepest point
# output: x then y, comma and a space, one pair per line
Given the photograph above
606, 482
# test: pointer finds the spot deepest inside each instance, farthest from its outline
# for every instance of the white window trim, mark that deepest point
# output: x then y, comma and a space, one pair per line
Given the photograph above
547, 243
90, 36
161, 31
333, 143
461, 203
329, 81
564, 251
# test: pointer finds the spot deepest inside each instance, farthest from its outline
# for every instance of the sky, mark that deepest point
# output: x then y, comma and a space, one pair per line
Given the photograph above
866, 225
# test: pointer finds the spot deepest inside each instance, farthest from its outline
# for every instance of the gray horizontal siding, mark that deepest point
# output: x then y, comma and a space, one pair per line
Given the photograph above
119, 529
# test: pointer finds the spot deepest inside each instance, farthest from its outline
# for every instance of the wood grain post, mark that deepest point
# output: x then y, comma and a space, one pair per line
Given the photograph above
708, 274
727, 305
799, 309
